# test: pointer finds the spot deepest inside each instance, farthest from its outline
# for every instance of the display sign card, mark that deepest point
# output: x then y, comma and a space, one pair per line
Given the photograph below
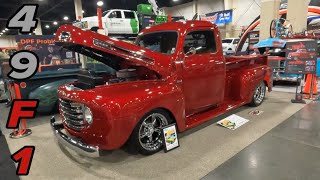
256, 112
301, 57
170, 137
233, 122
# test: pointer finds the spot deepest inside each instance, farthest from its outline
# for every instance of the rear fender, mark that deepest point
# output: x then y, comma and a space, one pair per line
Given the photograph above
249, 80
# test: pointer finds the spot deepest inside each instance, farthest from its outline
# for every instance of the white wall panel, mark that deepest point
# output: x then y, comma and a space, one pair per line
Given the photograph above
204, 7
7, 41
245, 11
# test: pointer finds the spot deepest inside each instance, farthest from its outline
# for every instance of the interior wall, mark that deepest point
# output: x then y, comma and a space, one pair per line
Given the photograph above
244, 12
7, 41
204, 7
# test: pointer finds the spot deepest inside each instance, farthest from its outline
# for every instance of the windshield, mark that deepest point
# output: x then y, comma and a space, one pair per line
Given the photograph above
105, 13
227, 41
163, 42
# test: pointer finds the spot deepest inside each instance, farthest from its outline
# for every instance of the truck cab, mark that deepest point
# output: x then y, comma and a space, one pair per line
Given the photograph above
175, 73
115, 22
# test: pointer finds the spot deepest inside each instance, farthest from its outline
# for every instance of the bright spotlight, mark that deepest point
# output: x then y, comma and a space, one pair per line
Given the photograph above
100, 3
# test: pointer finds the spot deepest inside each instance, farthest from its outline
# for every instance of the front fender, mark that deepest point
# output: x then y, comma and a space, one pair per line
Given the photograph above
123, 106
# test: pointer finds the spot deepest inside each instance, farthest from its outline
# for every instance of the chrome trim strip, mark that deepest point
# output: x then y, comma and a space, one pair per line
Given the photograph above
74, 144
100, 43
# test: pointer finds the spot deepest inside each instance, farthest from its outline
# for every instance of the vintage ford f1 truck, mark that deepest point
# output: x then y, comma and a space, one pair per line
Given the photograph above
174, 73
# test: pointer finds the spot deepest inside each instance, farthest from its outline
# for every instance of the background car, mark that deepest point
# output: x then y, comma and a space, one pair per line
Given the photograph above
229, 45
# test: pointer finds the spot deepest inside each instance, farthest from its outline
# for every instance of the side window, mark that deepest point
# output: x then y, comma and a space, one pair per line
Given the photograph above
129, 15
203, 41
115, 14
236, 41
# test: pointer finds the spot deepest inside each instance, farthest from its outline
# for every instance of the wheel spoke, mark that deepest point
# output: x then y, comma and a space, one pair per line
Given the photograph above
144, 134
157, 130
154, 120
150, 139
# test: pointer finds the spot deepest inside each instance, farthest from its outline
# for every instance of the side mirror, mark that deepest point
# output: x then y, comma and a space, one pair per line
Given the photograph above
192, 51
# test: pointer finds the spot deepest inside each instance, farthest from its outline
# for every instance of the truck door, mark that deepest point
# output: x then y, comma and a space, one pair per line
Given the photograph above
131, 22
203, 71
114, 22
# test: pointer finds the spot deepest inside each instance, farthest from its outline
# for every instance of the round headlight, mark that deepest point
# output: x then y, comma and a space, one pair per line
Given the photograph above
88, 116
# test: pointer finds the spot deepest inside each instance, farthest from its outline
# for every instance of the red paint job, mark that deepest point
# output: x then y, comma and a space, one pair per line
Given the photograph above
193, 89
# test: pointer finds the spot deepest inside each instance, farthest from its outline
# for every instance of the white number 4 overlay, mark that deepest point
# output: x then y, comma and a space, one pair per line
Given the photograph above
24, 64
24, 19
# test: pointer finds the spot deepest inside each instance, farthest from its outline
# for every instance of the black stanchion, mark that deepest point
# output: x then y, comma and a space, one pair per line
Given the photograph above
298, 96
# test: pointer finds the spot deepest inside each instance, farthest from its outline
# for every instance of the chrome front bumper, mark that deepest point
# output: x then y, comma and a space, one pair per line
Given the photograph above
72, 143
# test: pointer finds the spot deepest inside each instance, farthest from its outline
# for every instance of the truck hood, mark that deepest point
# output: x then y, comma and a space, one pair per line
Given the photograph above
111, 51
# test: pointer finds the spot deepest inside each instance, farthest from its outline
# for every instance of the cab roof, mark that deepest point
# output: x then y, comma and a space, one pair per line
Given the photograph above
178, 26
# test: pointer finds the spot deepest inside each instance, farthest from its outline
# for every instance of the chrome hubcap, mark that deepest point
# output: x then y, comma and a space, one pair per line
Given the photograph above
259, 94
150, 131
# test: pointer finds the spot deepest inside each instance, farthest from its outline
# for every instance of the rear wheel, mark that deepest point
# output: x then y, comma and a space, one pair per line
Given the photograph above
147, 135
258, 95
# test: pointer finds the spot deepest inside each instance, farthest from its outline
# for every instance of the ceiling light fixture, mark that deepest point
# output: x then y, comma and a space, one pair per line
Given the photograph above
100, 3
82, 11
66, 18
47, 26
3, 30
55, 23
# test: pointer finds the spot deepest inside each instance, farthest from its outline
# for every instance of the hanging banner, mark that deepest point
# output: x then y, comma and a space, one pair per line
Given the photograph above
45, 48
219, 18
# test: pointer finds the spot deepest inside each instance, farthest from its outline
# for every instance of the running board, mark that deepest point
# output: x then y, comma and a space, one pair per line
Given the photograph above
203, 117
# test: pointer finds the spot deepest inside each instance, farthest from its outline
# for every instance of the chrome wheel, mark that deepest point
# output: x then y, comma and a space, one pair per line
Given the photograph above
259, 94
150, 131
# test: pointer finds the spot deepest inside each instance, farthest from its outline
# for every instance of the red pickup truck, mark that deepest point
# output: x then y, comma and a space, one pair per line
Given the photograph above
174, 73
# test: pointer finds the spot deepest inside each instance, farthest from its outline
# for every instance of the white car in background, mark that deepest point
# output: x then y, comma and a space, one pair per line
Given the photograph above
229, 45
114, 22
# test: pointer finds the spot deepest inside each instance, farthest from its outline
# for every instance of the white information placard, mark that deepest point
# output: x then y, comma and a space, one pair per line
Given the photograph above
170, 137
233, 122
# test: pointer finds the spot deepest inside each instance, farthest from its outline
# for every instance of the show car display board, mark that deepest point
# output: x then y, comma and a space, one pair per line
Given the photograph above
301, 57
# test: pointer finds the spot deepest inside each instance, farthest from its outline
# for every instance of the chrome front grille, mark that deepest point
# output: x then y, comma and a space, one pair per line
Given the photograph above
72, 114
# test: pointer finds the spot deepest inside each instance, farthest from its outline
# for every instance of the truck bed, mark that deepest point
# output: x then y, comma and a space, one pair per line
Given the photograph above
247, 59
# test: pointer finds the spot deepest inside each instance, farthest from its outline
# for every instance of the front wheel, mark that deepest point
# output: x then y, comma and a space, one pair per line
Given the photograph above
258, 95
146, 137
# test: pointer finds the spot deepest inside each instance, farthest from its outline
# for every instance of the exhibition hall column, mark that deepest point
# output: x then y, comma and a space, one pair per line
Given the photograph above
298, 14
269, 11
38, 30
228, 4
78, 9
79, 15
195, 7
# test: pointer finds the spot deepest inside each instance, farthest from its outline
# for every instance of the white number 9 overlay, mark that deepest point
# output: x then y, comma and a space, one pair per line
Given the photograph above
24, 65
